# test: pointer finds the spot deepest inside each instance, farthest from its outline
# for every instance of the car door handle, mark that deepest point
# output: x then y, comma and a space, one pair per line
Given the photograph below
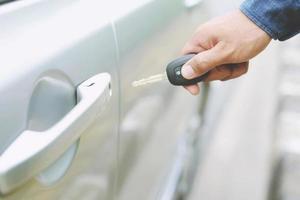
191, 3
34, 151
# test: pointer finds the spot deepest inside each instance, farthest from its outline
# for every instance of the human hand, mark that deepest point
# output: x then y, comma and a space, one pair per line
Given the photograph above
224, 46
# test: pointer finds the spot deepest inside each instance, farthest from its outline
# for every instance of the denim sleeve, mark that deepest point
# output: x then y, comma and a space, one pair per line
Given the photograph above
279, 18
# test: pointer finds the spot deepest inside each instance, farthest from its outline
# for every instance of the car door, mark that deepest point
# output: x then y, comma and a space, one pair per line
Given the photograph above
59, 106
155, 119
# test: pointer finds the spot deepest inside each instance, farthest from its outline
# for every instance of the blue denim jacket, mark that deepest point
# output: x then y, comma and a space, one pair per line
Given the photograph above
279, 18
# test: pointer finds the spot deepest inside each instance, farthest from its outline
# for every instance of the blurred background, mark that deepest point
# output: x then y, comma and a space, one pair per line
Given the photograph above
254, 152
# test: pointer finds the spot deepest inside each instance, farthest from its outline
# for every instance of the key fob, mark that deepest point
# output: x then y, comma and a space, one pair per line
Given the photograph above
174, 72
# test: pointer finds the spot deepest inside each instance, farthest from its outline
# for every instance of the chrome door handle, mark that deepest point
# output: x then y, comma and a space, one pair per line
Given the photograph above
191, 3
34, 151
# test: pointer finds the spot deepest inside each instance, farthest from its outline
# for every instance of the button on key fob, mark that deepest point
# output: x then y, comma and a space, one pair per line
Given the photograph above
174, 72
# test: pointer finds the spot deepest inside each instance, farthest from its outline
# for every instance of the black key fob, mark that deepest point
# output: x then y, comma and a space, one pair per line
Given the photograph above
174, 72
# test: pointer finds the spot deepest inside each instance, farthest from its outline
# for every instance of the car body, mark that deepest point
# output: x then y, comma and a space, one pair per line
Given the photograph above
55, 141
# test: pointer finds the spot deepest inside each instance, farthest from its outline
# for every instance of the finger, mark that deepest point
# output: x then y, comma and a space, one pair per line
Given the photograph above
190, 48
218, 73
239, 70
200, 41
227, 72
193, 89
204, 61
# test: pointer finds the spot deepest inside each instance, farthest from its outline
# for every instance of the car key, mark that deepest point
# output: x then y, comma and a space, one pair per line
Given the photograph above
173, 74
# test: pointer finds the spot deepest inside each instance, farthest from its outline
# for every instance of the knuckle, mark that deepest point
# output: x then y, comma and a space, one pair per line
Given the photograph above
245, 70
240, 70
224, 72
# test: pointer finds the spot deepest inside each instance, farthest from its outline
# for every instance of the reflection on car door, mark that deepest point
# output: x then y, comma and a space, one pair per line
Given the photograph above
48, 49
154, 117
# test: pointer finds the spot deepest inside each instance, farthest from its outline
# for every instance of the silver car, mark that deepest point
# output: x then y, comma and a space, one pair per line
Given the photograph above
72, 125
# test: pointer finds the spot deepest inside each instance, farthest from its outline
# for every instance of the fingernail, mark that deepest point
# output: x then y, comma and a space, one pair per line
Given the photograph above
187, 71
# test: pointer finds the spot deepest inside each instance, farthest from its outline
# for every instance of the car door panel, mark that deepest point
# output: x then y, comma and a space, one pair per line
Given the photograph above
44, 61
49, 47
154, 117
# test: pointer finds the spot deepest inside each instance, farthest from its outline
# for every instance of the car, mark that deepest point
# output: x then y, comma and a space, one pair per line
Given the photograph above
72, 124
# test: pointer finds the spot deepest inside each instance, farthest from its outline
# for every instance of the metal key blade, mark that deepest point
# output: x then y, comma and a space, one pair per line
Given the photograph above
150, 80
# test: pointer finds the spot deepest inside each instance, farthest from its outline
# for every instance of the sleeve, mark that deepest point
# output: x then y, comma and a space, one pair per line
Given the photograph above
279, 18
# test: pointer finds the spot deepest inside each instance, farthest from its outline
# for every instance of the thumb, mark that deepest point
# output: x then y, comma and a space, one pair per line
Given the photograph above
204, 61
